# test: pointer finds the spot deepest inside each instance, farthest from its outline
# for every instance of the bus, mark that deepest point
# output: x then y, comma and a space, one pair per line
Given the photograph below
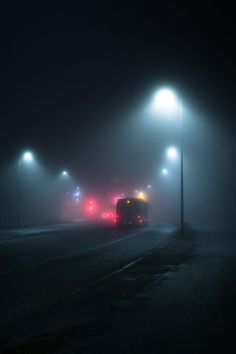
132, 211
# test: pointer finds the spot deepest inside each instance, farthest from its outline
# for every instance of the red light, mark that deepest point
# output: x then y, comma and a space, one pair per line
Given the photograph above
109, 216
91, 207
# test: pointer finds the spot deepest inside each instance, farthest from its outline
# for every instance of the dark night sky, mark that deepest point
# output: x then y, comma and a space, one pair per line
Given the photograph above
72, 72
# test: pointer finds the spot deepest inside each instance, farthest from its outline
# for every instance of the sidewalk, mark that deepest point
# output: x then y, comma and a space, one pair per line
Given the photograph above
190, 310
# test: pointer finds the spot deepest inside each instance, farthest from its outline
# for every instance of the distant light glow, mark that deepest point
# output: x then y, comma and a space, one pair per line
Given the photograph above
64, 173
149, 186
28, 156
91, 206
172, 153
128, 201
164, 172
109, 216
140, 194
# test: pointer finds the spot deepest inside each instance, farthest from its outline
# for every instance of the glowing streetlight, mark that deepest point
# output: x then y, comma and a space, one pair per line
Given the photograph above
165, 101
64, 173
26, 157
168, 103
164, 172
172, 153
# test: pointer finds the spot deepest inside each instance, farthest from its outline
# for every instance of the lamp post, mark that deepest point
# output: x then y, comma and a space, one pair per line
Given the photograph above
181, 169
172, 153
64, 174
165, 174
26, 157
166, 101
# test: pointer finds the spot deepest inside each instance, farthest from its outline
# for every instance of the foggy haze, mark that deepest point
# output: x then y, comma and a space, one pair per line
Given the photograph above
78, 84
129, 155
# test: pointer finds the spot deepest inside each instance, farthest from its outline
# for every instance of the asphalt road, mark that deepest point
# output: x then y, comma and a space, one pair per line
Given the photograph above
41, 267
95, 289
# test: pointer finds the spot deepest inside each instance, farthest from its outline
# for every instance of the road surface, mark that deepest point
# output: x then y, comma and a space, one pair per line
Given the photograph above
41, 267
94, 289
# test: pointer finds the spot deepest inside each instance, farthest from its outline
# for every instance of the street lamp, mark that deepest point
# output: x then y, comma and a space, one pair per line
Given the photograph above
64, 174
167, 103
172, 153
26, 157
164, 172
166, 186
